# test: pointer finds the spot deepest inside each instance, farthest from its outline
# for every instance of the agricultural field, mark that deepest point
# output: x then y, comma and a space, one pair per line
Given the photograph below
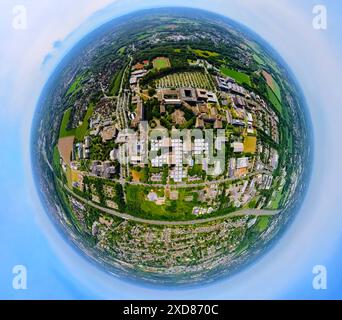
64, 132
238, 76
276, 201
65, 146
274, 100
116, 82
205, 53
122, 50
76, 85
262, 223
185, 79
161, 63
258, 59
143, 35
79, 132
272, 84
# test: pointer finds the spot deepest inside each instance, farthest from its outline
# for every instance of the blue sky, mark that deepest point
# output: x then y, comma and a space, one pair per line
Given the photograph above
55, 270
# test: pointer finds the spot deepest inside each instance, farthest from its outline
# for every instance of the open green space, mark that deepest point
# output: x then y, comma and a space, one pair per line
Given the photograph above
56, 158
78, 132
122, 50
274, 100
276, 201
137, 204
238, 76
143, 35
161, 63
258, 59
262, 223
116, 82
276, 90
205, 53
64, 132
76, 85
81, 131
272, 84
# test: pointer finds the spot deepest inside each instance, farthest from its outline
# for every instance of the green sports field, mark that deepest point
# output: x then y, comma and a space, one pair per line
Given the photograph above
238, 76
161, 63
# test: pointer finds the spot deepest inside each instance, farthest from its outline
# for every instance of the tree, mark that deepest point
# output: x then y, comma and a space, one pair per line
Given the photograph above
119, 197
151, 91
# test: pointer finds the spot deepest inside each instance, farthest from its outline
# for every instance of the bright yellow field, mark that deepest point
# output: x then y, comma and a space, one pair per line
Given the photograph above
250, 144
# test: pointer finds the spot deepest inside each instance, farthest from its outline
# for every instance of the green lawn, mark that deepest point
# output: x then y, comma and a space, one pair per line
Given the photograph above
290, 139
205, 53
56, 161
258, 59
122, 50
263, 223
276, 90
76, 85
115, 87
272, 84
63, 132
276, 201
274, 100
138, 205
161, 63
79, 132
238, 76
143, 36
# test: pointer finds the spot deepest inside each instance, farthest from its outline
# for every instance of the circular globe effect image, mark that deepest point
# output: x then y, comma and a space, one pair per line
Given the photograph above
172, 146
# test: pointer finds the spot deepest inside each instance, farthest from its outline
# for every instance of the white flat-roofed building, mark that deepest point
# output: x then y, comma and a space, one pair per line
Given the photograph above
242, 163
157, 144
220, 142
133, 81
177, 151
233, 87
178, 174
274, 160
218, 170
250, 118
232, 166
200, 147
238, 147
160, 161
173, 101
135, 160
114, 154
139, 73
212, 98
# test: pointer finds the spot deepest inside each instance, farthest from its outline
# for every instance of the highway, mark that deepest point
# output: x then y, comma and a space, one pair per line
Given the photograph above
240, 213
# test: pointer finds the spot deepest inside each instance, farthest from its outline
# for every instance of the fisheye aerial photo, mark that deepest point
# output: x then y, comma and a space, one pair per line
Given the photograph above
170, 157
172, 146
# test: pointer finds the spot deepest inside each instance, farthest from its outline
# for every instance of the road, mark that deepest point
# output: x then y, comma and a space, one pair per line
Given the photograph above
181, 185
240, 213
122, 111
